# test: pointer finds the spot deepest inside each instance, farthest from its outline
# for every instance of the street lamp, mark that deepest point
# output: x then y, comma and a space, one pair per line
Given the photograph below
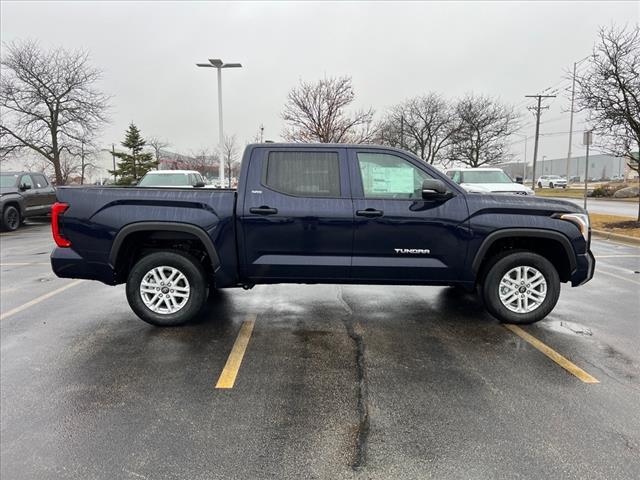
219, 64
573, 96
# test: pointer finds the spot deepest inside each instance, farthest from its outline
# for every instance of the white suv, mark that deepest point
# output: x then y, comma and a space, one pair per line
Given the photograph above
552, 181
487, 180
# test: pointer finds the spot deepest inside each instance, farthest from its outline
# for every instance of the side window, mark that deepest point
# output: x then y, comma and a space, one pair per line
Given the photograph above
389, 176
26, 180
39, 180
304, 174
457, 177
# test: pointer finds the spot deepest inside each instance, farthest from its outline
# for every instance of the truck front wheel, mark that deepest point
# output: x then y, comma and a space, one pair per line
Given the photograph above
521, 287
167, 288
11, 218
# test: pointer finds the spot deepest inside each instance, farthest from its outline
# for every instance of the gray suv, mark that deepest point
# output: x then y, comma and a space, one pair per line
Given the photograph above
24, 195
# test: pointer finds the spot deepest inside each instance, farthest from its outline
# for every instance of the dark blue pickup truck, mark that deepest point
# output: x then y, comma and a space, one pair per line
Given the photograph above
356, 214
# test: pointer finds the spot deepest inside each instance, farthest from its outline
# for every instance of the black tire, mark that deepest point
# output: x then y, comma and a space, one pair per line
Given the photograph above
551, 185
501, 265
11, 218
539, 184
186, 264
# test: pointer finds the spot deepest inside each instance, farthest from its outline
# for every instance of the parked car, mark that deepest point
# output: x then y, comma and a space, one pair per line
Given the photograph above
24, 195
552, 181
487, 180
322, 213
172, 178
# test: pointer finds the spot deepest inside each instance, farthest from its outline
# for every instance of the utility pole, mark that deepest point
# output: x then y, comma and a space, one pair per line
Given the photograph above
573, 96
538, 110
261, 133
82, 163
402, 132
113, 157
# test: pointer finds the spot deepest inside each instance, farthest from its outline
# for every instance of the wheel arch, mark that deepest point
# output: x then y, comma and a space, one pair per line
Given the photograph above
150, 227
549, 237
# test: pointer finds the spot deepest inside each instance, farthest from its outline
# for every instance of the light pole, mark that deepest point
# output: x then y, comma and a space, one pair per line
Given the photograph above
219, 65
544, 164
573, 96
587, 138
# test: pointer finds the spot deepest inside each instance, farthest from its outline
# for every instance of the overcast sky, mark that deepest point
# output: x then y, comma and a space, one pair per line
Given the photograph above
393, 50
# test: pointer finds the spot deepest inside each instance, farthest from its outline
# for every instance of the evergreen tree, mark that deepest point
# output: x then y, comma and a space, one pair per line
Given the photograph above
133, 164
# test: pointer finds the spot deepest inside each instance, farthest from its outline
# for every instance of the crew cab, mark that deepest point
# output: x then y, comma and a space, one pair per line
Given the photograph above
24, 195
321, 213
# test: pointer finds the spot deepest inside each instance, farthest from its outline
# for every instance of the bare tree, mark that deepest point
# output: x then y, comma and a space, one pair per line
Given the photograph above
482, 131
157, 145
229, 155
424, 125
316, 112
198, 160
48, 101
609, 90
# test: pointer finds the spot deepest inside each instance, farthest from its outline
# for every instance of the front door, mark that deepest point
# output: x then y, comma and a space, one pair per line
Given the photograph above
296, 220
30, 195
399, 237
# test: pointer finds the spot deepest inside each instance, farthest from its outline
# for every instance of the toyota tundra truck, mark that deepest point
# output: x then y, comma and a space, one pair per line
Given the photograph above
321, 213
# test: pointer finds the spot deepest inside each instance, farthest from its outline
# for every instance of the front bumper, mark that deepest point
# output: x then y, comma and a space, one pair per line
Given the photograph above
585, 268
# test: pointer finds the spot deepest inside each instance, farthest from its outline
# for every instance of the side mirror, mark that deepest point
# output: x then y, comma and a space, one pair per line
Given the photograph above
24, 187
198, 185
432, 188
519, 180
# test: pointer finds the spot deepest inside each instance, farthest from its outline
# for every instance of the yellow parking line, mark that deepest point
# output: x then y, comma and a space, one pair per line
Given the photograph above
553, 355
37, 300
230, 371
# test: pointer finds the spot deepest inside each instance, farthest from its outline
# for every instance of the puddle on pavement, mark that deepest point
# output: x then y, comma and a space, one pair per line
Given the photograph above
563, 326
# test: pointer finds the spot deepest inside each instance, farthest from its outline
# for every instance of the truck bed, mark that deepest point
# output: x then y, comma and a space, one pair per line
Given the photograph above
97, 214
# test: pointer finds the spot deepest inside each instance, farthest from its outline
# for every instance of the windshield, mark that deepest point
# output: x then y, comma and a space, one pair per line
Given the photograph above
8, 180
165, 180
489, 176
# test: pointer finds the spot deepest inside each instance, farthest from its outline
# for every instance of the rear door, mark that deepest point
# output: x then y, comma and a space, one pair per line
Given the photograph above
45, 194
398, 236
296, 219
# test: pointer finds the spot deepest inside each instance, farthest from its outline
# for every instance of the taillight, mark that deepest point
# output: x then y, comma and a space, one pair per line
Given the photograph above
57, 210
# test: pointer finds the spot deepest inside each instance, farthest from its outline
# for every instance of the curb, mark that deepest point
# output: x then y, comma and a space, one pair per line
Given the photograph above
616, 236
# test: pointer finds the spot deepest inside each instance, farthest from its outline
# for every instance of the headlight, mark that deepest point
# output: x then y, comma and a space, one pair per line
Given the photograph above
581, 220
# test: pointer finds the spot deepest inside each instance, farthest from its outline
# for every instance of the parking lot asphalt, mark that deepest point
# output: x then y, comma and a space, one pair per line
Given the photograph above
334, 382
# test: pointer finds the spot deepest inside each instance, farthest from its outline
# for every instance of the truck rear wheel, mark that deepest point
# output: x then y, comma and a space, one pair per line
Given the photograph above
521, 287
167, 288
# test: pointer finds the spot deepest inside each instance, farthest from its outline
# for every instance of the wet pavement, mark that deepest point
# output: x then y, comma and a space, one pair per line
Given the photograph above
336, 382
